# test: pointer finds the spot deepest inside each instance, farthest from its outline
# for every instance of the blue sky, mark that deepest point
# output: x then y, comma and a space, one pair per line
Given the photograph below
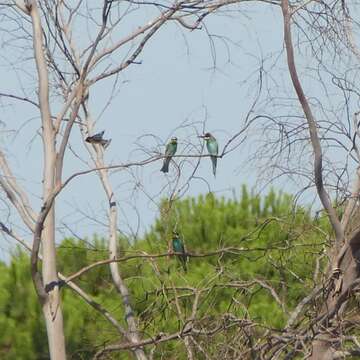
184, 79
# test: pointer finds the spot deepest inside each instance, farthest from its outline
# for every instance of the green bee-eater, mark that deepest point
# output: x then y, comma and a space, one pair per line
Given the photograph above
213, 149
178, 247
170, 151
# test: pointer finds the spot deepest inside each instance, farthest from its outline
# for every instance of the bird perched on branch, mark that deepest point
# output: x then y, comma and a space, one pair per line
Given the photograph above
213, 149
170, 151
178, 247
98, 139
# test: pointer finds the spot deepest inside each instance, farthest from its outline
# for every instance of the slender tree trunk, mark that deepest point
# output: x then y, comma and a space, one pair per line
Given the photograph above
132, 332
51, 307
50, 299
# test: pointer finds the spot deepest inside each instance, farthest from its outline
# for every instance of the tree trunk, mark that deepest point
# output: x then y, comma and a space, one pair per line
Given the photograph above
49, 297
51, 307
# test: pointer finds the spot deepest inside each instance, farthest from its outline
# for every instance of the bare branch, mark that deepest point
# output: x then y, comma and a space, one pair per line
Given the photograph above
315, 141
11, 96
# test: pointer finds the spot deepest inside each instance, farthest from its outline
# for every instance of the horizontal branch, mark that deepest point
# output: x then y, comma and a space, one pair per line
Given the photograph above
20, 99
227, 250
49, 201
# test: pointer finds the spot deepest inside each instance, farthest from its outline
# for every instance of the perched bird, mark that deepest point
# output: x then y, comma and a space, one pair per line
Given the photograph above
170, 151
178, 247
213, 149
98, 139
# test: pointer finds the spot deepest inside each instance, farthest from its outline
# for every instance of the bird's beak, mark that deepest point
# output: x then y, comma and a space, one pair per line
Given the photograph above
201, 136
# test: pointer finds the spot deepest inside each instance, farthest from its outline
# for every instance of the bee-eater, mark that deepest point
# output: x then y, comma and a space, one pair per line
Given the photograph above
213, 149
170, 151
98, 139
178, 247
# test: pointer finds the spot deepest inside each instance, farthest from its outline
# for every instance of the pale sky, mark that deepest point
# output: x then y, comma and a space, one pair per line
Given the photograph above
176, 83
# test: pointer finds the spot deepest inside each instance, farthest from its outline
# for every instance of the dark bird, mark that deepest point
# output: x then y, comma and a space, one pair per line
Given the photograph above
170, 151
213, 149
98, 139
178, 247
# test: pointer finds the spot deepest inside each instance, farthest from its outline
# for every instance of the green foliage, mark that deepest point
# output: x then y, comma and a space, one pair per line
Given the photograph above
22, 329
271, 249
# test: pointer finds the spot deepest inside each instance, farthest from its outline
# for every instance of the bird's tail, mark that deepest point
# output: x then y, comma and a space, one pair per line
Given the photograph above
214, 163
165, 167
106, 143
183, 262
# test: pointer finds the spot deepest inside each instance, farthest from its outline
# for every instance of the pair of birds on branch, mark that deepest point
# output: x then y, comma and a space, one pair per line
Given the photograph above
211, 144
171, 147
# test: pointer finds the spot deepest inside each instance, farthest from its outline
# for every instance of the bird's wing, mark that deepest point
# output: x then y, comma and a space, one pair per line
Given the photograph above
213, 147
170, 149
97, 137
216, 146
182, 247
